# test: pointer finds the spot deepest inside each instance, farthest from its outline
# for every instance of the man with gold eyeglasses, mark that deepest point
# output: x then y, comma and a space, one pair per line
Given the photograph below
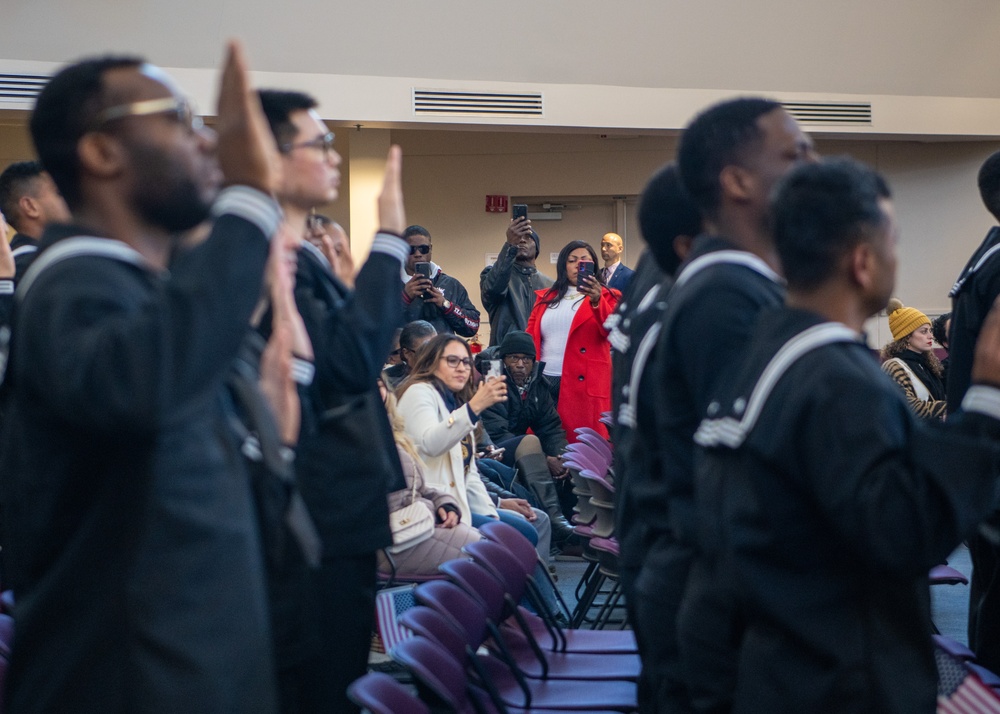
130, 538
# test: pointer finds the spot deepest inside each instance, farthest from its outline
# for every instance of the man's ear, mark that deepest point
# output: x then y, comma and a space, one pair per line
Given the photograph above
736, 182
29, 208
862, 265
100, 155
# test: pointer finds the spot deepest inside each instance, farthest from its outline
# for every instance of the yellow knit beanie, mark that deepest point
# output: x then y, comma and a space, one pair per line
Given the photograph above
904, 320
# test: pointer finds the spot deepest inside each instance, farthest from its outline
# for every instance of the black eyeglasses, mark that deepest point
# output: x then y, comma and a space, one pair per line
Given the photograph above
454, 361
422, 249
180, 108
514, 359
323, 143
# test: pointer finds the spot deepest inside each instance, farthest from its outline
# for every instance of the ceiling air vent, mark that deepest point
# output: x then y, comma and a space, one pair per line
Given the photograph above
427, 102
843, 113
21, 87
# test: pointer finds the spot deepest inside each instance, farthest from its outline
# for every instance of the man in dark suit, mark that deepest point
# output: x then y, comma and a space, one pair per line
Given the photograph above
614, 272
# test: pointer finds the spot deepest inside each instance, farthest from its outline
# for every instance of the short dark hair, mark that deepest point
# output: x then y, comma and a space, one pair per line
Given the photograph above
65, 110
938, 329
665, 212
416, 230
17, 181
989, 184
715, 139
820, 212
278, 106
413, 331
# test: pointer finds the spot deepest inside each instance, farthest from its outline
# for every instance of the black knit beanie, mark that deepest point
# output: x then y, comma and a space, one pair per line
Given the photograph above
517, 343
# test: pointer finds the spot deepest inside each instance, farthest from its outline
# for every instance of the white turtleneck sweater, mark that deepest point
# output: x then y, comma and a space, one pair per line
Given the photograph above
556, 322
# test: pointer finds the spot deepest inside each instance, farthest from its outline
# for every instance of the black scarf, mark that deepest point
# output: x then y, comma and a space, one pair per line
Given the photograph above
919, 365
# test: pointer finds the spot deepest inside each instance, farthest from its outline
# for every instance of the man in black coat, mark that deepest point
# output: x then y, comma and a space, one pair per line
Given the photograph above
537, 455
669, 223
508, 286
972, 298
438, 298
130, 537
729, 158
822, 500
347, 461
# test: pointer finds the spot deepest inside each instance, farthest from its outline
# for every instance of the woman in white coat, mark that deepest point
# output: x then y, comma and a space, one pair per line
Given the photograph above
440, 412
440, 409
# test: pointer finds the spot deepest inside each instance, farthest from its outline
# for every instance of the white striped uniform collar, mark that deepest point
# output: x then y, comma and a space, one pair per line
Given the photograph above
727, 257
731, 432
78, 246
24, 250
972, 271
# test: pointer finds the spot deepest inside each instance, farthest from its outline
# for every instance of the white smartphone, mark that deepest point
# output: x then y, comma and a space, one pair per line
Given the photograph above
494, 369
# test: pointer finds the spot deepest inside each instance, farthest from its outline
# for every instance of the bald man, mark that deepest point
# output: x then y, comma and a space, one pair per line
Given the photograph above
615, 274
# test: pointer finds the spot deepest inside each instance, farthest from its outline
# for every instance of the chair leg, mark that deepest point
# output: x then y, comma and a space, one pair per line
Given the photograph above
585, 603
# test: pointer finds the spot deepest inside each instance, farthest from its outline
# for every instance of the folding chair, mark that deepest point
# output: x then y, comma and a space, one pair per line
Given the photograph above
381, 694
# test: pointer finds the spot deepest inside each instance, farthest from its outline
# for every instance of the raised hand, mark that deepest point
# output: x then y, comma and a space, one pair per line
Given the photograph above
247, 152
517, 229
488, 394
281, 271
391, 213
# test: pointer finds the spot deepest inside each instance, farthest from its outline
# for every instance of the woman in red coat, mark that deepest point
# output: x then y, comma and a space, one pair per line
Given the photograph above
567, 324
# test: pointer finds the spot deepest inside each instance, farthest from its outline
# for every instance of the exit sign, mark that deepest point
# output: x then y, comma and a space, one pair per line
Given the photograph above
497, 204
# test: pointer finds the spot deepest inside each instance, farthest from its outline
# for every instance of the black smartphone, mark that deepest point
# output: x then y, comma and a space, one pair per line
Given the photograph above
519, 210
585, 269
423, 270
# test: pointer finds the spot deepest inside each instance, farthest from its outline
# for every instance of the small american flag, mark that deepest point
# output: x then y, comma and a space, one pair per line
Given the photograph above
389, 605
960, 690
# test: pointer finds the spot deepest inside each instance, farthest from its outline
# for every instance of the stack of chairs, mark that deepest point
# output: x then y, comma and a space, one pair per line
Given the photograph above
475, 648
589, 460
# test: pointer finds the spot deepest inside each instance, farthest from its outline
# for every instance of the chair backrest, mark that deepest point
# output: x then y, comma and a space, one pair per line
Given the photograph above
429, 623
381, 694
600, 488
581, 455
478, 582
437, 670
456, 605
502, 564
594, 439
510, 538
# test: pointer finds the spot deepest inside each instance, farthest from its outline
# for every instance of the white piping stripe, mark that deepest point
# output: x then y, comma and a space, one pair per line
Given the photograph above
391, 245
23, 250
727, 431
642, 352
303, 371
975, 269
982, 400
727, 257
6, 287
317, 253
76, 247
250, 205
